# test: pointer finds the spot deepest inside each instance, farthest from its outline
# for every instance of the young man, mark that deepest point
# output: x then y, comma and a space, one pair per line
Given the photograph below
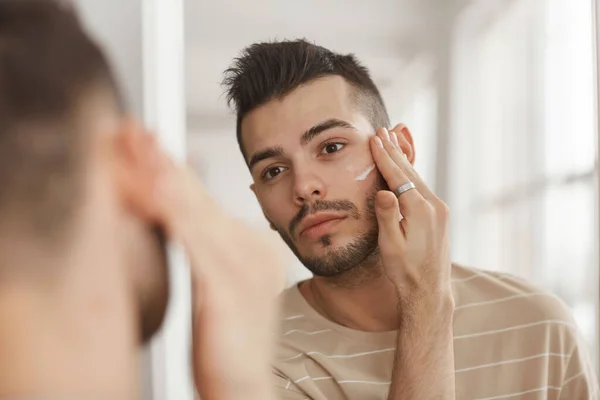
386, 315
86, 201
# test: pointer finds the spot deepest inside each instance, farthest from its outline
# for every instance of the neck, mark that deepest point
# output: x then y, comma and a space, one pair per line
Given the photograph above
363, 299
70, 337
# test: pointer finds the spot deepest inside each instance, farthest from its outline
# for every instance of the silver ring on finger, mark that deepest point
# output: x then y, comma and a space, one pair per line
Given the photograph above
400, 190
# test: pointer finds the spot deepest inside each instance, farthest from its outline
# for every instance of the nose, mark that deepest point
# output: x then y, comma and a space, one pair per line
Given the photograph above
308, 186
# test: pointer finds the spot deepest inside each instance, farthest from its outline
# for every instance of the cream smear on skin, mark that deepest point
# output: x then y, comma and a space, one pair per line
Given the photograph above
365, 173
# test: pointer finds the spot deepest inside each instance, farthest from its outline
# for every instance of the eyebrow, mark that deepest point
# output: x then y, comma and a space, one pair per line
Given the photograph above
313, 132
269, 152
306, 138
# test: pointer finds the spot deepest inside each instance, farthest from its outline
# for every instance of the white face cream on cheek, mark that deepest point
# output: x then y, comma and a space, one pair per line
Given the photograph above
363, 175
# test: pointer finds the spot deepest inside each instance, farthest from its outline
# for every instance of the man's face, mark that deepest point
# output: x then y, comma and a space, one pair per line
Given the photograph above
314, 175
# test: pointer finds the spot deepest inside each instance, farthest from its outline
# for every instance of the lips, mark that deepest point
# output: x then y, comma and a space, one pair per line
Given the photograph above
319, 224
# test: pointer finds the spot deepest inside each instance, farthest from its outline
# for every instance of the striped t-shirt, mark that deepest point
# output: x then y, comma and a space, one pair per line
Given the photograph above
511, 341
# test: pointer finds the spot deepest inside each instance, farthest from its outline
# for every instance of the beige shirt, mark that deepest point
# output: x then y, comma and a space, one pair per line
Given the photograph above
511, 341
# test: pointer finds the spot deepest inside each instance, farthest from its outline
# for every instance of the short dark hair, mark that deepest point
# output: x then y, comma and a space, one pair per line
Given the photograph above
49, 67
271, 70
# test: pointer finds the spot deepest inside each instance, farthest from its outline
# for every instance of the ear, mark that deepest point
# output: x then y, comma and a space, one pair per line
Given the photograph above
136, 169
405, 141
253, 188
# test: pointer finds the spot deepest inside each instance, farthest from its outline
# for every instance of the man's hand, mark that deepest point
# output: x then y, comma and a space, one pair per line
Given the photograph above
414, 246
236, 279
415, 250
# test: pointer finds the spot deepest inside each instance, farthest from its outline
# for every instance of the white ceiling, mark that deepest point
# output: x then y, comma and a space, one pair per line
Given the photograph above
384, 34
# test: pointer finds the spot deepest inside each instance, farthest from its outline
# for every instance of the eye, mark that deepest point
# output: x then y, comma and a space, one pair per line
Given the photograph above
332, 148
272, 173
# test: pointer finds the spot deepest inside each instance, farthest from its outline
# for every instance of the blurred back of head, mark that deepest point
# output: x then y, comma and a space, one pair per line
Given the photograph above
65, 162
48, 69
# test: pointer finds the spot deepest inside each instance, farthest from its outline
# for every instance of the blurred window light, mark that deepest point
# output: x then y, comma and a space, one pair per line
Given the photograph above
523, 149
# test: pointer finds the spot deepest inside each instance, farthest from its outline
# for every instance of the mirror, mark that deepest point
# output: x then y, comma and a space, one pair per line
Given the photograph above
499, 96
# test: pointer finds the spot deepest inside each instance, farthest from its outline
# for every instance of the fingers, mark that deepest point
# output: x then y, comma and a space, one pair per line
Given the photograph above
394, 138
395, 176
182, 199
395, 153
439, 208
415, 249
388, 217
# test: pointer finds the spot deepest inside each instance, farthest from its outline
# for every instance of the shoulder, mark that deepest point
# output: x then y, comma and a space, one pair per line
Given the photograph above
502, 293
503, 320
292, 305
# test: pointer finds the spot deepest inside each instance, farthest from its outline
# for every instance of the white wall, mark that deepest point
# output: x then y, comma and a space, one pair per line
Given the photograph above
117, 25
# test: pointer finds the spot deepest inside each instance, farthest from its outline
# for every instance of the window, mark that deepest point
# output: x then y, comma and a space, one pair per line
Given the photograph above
523, 150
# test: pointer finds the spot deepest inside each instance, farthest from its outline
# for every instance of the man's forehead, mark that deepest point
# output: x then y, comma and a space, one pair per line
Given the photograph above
312, 103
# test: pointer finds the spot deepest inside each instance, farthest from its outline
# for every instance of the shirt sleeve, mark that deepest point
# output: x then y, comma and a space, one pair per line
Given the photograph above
580, 380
